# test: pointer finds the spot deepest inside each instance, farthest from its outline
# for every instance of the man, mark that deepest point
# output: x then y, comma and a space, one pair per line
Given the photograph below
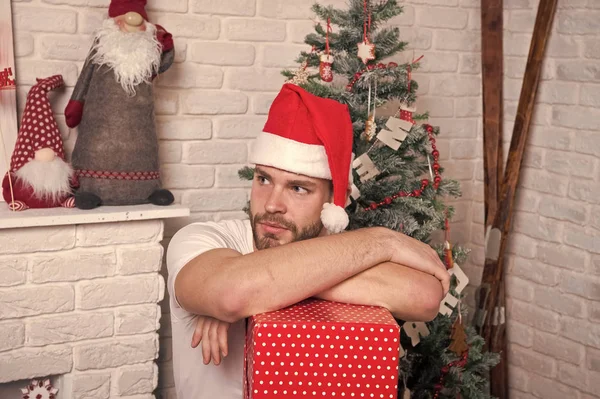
221, 273
116, 153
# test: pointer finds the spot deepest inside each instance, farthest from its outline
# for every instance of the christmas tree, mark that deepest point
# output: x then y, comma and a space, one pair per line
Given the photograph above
398, 180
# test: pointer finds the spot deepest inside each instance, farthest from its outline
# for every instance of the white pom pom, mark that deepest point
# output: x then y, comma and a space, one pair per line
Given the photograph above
334, 218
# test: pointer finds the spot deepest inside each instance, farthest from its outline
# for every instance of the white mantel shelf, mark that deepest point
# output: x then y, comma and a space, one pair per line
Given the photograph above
102, 214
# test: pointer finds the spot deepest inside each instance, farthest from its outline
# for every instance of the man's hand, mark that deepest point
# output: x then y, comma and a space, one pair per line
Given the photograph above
417, 255
213, 335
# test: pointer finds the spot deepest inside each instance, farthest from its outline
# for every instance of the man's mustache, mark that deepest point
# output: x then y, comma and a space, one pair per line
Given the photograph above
275, 219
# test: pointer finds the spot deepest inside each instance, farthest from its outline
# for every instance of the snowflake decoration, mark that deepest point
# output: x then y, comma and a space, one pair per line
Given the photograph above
39, 390
300, 76
366, 51
327, 74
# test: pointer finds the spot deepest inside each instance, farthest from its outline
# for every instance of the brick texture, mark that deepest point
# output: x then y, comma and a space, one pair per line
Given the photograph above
214, 101
82, 297
551, 284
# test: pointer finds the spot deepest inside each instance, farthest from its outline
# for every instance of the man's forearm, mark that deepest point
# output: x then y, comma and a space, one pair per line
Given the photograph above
408, 294
229, 286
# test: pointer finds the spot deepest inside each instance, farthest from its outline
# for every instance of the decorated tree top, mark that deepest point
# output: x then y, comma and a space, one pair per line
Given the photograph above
398, 182
397, 179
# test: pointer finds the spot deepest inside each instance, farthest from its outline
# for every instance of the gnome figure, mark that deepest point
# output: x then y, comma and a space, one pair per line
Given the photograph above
116, 153
39, 176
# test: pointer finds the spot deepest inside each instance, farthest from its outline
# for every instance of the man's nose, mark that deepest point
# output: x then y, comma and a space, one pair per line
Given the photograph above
275, 203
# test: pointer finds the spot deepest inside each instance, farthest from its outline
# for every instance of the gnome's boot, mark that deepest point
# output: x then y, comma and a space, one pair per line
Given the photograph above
84, 200
161, 197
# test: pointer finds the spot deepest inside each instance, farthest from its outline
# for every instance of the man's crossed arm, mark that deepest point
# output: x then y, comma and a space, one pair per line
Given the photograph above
374, 266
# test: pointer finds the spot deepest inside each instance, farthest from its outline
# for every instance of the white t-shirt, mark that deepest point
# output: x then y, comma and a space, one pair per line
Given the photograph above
194, 379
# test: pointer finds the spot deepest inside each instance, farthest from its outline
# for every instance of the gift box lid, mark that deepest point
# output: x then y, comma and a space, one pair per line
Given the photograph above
324, 312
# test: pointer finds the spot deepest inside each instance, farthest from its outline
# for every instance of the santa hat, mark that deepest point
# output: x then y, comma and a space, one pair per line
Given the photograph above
120, 7
311, 136
38, 127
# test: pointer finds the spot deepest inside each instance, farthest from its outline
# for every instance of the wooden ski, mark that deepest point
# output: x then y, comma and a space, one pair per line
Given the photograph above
491, 318
492, 61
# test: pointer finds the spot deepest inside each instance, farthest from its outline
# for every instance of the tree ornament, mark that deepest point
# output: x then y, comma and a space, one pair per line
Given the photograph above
370, 125
325, 65
366, 49
326, 60
365, 168
394, 134
300, 76
370, 128
409, 72
447, 245
38, 389
406, 114
459, 338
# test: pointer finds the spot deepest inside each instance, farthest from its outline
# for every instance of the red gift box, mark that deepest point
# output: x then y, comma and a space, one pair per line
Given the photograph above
322, 349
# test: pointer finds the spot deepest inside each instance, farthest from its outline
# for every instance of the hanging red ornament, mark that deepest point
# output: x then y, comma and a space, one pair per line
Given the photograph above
326, 60
404, 120
409, 72
447, 246
325, 70
366, 49
406, 114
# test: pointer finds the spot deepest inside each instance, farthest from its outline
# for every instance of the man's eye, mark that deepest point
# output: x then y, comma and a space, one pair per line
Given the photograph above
262, 180
300, 190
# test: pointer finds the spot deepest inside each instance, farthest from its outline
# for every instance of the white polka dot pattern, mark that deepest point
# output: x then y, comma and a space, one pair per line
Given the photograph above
322, 349
38, 127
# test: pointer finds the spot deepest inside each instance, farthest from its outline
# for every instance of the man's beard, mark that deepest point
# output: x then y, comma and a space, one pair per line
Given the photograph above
270, 240
133, 56
49, 180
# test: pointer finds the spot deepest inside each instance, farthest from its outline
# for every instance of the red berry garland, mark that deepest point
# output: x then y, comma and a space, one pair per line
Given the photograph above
369, 67
445, 370
424, 183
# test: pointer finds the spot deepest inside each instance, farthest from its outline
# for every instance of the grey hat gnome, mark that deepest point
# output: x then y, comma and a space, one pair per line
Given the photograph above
116, 153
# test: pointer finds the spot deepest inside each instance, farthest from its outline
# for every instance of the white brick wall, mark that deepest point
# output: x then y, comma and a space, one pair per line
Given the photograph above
214, 101
81, 301
552, 285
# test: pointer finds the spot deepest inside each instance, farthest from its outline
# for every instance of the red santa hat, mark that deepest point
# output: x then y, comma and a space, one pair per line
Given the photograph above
120, 7
311, 136
38, 127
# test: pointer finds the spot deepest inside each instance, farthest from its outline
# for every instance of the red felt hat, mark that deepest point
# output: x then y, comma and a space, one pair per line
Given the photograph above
311, 136
38, 127
120, 7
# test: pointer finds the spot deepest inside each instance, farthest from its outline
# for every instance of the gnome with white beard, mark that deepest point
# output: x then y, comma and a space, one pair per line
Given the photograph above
115, 157
39, 176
